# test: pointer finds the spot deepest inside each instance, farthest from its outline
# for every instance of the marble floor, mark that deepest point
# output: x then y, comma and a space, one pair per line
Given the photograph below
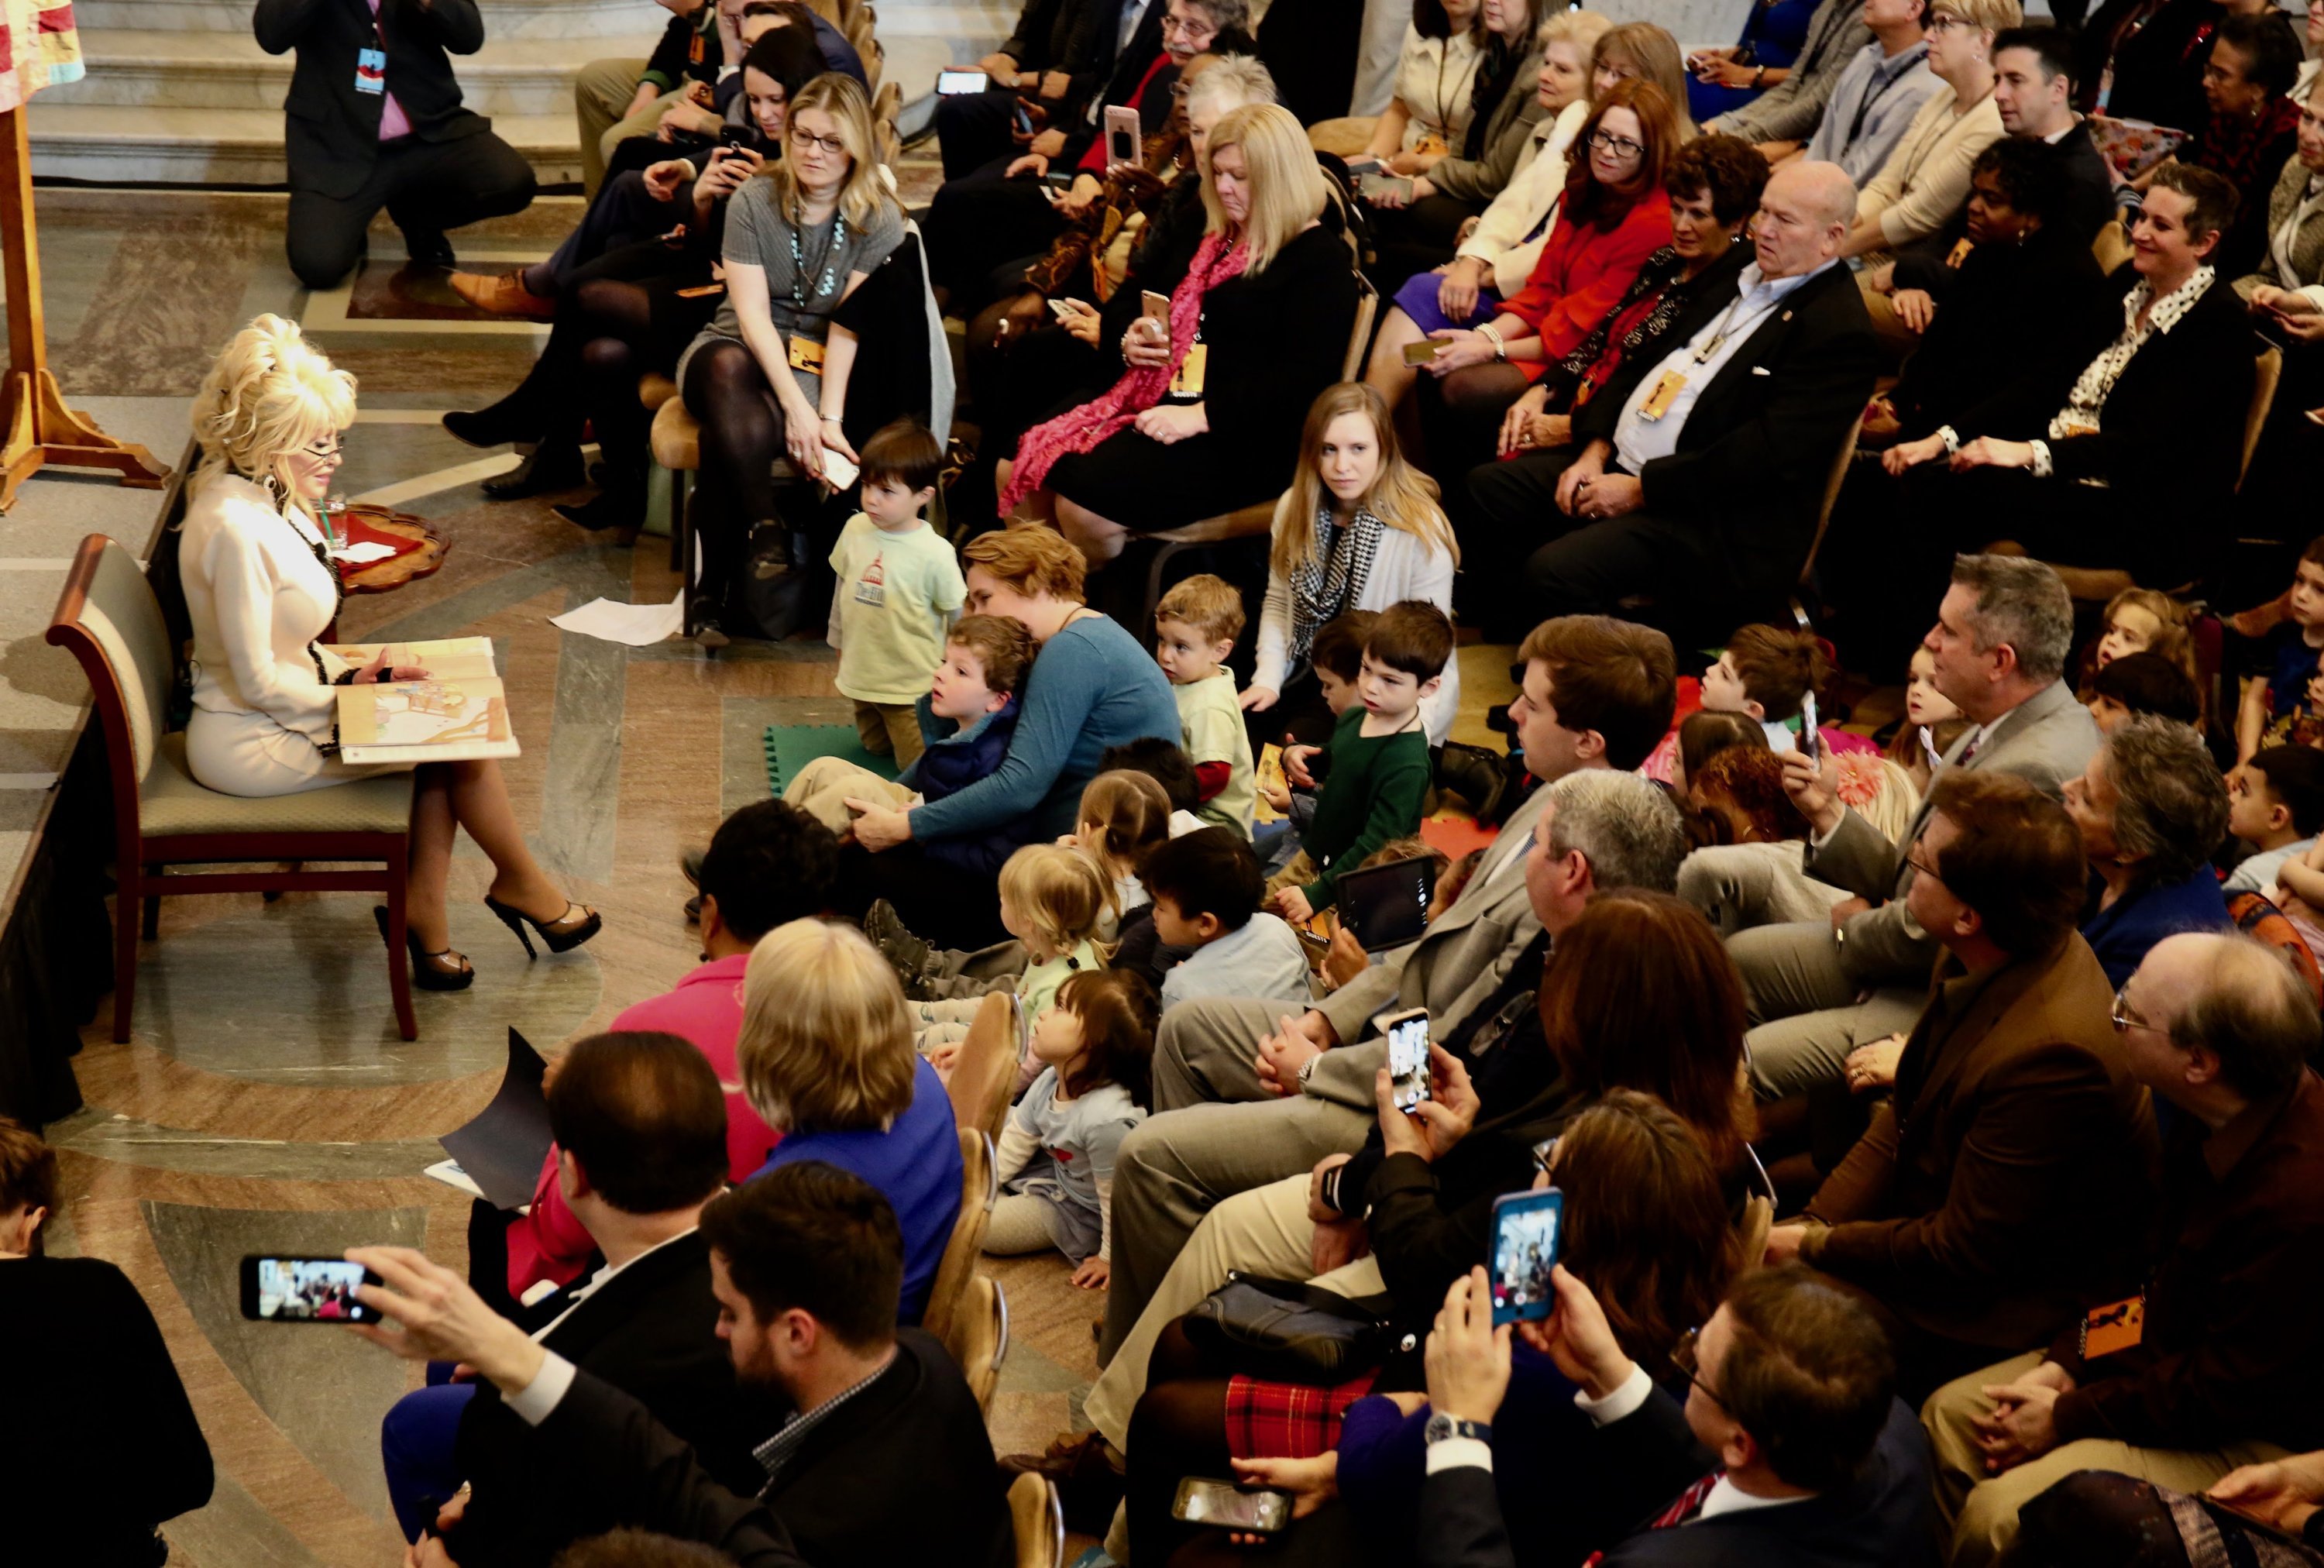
263, 1099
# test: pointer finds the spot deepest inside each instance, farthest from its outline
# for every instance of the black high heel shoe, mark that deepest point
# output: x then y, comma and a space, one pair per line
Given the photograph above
428, 971
558, 935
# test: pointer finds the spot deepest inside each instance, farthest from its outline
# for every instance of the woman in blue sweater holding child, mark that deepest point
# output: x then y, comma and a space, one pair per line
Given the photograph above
1092, 687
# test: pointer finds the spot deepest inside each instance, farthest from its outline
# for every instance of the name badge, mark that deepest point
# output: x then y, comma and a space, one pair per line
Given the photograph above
370, 71
1665, 393
1186, 380
806, 353
2118, 1325
1960, 253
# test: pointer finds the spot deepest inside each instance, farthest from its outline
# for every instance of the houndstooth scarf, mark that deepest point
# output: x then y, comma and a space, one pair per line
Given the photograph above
1331, 578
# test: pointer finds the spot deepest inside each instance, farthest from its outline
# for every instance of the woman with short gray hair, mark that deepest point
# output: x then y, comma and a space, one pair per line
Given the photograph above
2152, 806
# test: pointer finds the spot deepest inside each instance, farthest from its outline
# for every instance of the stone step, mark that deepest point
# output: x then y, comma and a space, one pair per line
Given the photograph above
549, 19
113, 145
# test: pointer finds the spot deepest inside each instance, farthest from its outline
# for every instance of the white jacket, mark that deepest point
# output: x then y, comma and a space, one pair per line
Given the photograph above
1404, 566
1525, 203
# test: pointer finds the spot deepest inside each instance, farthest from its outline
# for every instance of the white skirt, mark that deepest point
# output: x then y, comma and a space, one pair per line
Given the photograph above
249, 754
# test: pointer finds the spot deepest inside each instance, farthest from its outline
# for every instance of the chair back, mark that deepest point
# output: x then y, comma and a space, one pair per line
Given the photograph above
1759, 1219
108, 617
1037, 1516
978, 1188
978, 1341
2267, 371
1832, 489
2112, 247
1360, 335
985, 1070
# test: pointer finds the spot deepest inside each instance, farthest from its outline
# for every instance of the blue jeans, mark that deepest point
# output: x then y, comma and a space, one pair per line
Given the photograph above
416, 1443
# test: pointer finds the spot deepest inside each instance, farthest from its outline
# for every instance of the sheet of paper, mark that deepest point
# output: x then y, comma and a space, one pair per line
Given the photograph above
634, 625
449, 1173
364, 554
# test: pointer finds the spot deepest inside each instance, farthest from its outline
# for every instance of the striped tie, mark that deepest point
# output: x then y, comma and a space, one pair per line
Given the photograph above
1689, 1503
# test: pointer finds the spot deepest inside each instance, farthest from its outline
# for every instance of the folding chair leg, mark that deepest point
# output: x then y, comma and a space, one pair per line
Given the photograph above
1162, 559
152, 931
399, 947
125, 953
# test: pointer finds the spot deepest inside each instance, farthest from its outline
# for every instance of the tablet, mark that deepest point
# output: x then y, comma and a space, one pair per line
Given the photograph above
1388, 906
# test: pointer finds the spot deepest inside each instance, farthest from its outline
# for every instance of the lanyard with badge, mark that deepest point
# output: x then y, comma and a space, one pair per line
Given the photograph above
370, 64
806, 353
1672, 383
1186, 379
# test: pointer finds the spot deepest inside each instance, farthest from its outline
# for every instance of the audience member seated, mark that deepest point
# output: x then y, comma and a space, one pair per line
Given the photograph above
1359, 529
2145, 59
641, 1146
2103, 1519
1820, 989
2275, 808
2194, 1375
2159, 413
1434, 99
826, 1057
1615, 215
1782, 118
1271, 292
2152, 808
1093, 688
768, 864
1697, 476
2279, 705
2143, 683
1646, 1227
2008, 1178
1932, 723
2285, 294
1925, 180
1749, 873
1044, 64
2250, 130
1206, 888
270, 418
1883, 87
374, 120
1815, 1462
1727, 79
89, 1370
768, 377
884, 1455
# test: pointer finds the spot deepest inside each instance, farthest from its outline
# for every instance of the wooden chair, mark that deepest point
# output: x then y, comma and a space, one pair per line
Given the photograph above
1832, 489
986, 1068
978, 1339
1037, 1516
2112, 247
108, 617
1759, 1219
978, 1188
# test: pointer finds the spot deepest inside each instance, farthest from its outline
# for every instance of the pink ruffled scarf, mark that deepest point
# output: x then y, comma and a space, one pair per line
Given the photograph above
1081, 429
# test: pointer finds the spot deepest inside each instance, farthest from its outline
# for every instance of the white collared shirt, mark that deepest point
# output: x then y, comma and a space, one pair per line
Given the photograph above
1639, 441
538, 1399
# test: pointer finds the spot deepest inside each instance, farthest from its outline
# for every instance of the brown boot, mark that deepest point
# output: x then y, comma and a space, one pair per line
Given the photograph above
504, 295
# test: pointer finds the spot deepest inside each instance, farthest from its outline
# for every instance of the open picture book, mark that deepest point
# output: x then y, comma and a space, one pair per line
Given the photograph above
456, 713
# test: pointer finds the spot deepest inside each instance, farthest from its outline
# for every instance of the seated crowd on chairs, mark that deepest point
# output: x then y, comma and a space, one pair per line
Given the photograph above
1951, 1065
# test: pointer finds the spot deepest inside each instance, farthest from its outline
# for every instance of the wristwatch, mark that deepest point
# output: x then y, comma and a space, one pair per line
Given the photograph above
1442, 1427
1307, 1068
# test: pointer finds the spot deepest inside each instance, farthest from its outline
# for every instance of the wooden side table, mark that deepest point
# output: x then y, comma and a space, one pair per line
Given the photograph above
386, 577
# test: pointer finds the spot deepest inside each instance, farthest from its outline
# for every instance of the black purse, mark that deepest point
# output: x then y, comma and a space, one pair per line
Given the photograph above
1290, 1331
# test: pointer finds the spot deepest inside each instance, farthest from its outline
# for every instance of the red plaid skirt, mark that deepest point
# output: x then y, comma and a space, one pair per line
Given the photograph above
1288, 1420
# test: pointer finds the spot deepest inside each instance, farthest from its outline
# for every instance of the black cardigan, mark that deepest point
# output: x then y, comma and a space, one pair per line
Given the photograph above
332, 130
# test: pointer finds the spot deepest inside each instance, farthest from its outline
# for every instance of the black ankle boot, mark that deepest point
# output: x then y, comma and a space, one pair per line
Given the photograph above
546, 467
623, 506
498, 426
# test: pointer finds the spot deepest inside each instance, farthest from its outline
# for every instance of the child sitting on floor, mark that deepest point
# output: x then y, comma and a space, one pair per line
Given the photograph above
2279, 708
1056, 1158
1206, 888
1194, 630
1336, 657
1052, 899
2275, 804
898, 588
2142, 683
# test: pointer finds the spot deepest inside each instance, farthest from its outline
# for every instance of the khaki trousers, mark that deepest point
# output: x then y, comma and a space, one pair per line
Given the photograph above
1264, 1231
890, 729
824, 785
1804, 1013
1981, 1511
601, 91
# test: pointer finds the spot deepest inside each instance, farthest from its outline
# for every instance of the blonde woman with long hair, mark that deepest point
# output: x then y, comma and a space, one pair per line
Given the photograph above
1359, 529
768, 377
261, 588
1205, 415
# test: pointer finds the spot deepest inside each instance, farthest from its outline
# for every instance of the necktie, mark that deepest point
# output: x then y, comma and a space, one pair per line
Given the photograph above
1688, 1504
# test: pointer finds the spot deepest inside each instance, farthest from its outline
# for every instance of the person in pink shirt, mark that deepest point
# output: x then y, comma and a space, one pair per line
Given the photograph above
770, 863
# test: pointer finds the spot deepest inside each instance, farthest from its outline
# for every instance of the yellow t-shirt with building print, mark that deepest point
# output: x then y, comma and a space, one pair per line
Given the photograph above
1211, 723
896, 594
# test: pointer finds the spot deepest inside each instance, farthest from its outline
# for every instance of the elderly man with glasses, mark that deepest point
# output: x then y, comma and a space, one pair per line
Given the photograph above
2008, 1179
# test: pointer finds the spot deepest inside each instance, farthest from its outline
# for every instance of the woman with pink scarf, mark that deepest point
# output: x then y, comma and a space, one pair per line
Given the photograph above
1206, 419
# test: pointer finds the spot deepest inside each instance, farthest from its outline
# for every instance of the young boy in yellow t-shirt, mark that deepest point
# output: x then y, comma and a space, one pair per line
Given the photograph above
1194, 630
898, 589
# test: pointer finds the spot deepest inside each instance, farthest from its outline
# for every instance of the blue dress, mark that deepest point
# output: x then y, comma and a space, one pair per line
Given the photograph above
1774, 32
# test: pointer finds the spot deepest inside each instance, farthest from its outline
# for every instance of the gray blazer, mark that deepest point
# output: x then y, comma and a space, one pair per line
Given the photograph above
1455, 966
2047, 738
1480, 178
2307, 240
1790, 109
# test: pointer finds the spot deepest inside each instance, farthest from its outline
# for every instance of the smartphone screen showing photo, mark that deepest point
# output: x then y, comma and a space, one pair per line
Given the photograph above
1525, 1249
1408, 1060
303, 1290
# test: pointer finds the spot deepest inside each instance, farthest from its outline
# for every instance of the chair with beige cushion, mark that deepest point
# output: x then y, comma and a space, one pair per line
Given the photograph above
108, 618
980, 1187
1037, 1516
979, 1338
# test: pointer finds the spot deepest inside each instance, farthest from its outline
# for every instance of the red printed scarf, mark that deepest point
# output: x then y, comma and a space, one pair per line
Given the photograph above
1081, 429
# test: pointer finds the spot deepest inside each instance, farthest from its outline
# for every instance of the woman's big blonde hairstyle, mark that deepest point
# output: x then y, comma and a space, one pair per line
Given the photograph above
1287, 187
863, 193
826, 1044
269, 394
1401, 495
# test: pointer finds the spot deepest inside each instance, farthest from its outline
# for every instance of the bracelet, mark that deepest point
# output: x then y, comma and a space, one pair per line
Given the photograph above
1493, 334
1758, 76
1950, 437
828, 419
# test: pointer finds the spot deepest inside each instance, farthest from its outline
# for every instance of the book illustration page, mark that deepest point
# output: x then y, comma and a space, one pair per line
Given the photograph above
427, 712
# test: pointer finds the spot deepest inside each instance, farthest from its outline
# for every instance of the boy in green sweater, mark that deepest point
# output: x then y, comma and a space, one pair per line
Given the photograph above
1375, 771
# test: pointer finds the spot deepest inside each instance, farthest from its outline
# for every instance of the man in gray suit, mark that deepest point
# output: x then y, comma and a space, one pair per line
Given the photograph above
1819, 989
1597, 692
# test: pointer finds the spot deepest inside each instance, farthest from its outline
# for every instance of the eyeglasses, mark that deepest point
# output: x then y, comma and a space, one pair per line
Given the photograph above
1922, 868
803, 140
1193, 28
1944, 22
1544, 1154
1685, 1356
322, 453
2126, 1018
1620, 146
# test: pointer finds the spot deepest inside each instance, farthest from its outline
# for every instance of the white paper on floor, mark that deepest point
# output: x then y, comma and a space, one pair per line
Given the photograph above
635, 626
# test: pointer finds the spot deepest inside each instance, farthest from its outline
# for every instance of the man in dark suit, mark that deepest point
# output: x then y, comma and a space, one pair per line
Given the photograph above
2010, 1177
375, 120
884, 1457
640, 1129
1811, 1459
1696, 476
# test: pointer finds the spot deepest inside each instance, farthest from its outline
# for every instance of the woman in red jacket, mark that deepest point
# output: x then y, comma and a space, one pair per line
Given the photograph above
1614, 216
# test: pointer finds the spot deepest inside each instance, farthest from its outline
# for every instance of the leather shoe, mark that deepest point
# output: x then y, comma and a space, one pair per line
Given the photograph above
492, 427
1090, 1484
607, 508
545, 468
708, 631
429, 248
503, 294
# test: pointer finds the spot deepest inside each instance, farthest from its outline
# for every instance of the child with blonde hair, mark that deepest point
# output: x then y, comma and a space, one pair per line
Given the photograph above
1194, 630
1053, 899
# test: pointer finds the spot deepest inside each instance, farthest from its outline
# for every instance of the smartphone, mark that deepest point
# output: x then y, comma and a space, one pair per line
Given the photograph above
1228, 1506
1811, 732
1155, 308
1024, 122
1375, 184
1121, 132
738, 138
1061, 309
1363, 166
955, 79
304, 1290
1422, 352
1407, 1057
1525, 1249
1388, 906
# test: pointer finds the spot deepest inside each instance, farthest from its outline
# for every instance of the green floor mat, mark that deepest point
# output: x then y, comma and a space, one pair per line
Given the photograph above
791, 747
